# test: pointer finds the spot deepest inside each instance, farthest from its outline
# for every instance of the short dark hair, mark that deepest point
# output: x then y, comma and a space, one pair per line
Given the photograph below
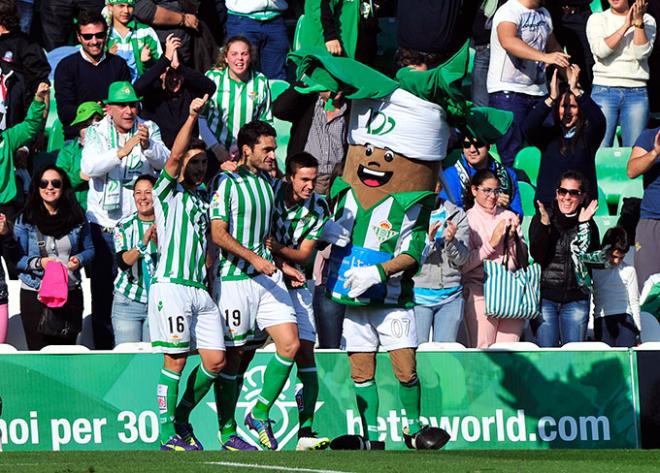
574, 176
300, 160
91, 17
617, 239
145, 177
250, 133
404, 57
9, 16
197, 143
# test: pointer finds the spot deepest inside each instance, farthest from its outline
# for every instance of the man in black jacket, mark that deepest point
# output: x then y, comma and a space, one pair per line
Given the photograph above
85, 76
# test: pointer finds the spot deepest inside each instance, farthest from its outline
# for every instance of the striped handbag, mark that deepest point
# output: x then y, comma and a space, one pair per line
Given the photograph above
512, 295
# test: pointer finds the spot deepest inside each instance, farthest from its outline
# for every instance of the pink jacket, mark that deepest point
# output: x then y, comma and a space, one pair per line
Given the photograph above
482, 223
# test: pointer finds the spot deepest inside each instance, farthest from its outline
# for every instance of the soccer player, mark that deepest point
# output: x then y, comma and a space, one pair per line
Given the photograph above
249, 288
182, 314
298, 220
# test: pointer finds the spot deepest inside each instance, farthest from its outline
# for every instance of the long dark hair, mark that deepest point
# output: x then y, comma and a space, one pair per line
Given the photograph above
478, 179
69, 212
569, 143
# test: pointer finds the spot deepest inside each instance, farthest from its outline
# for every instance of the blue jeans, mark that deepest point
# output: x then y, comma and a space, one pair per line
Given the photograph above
269, 37
103, 274
445, 318
561, 323
329, 317
616, 330
129, 320
479, 74
625, 106
520, 105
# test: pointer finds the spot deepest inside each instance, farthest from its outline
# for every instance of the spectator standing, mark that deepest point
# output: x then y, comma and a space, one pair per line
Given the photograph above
621, 40
261, 22
70, 156
481, 31
117, 150
474, 157
242, 95
86, 75
137, 254
559, 236
521, 35
168, 88
572, 139
52, 222
644, 161
438, 288
488, 225
58, 18
617, 320
319, 126
135, 42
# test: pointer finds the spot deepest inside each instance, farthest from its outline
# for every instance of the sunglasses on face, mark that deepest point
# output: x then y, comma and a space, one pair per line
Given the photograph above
476, 143
488, 191
562, 191
56, 183
89, 36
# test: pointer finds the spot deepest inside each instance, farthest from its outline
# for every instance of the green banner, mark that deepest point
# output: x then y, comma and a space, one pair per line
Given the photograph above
485, 400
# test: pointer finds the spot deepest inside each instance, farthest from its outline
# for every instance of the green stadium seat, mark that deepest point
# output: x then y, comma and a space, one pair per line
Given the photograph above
596, 6
277, 86
283, 129
611, 171
296, 34
603, 208
55, 136
528, 160
604, 223
527, 193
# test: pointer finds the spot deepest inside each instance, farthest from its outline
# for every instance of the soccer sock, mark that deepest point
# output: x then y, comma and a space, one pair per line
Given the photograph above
367, 401
226, 397
276, 374
168, 391
199, 383
310, 381
410, 395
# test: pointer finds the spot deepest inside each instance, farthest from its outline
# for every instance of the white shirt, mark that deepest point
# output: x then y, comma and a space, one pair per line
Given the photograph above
508, 72
106, 170
616, 292
626, 65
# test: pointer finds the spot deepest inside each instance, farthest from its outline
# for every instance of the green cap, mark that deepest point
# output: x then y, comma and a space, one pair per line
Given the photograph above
87, 110
121, 92
120, 2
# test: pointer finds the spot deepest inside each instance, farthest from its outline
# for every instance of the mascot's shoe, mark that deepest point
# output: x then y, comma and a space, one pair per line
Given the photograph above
355, 442
185, 431
308, 440
237, 444
429, 438
264, 430
176, 444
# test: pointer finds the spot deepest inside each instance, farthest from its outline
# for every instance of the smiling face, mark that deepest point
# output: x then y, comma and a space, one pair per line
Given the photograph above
92, 39
262, 156
122, 12
568, 118
374, 173
123, 115
303, 182
487, 193
238, 59
142, 194
50, 187
570, 196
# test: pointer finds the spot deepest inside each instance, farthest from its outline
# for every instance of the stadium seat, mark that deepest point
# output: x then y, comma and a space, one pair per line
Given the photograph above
527, 193
55, 136
296, 34
283, 129
64, 349
514, 346
603, 207
596, 6
7, 348
586, 346
528, 160
650, 328
441, 346
611, 171
604, 223
277, 86
133, 347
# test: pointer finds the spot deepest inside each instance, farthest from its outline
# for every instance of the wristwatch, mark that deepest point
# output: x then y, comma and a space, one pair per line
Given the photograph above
638, 24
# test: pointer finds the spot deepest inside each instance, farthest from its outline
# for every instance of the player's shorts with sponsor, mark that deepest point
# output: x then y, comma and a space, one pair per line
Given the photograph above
302, 305
251, 305
183, 318
367, 328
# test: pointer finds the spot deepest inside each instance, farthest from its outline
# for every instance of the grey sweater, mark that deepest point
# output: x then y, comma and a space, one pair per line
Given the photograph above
441, 266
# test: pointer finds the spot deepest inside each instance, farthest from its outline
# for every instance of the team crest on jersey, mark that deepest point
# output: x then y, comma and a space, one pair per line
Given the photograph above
383, 231
253, 96
119, 240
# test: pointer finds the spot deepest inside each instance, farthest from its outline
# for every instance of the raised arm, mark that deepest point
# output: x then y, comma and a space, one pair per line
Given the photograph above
180, 146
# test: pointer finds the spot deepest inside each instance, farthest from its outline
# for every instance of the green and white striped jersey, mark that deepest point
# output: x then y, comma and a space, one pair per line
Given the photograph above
139, 36
245, 201
395, 225
182, 223
235, 104
132, 283
303, 221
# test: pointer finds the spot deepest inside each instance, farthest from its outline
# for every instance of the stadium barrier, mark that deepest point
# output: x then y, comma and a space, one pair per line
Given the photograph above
486, 399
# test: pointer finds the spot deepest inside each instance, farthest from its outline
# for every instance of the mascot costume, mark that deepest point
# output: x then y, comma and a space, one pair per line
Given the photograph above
398, 135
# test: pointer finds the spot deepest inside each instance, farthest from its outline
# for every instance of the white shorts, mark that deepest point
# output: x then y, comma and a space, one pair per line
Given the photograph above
183, 318
249, 306
366, 328
302, 304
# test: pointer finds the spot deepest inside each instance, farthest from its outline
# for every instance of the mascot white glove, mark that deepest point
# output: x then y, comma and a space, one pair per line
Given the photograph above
335, 234
359, 280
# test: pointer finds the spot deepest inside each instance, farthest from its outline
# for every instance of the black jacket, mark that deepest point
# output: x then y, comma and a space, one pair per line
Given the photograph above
550, 246
27, 58
17, 101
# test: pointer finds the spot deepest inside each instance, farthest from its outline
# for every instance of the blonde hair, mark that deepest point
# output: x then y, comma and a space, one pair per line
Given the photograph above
221, 61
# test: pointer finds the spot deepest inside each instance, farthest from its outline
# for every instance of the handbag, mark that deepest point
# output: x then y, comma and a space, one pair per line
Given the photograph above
53, 321
512, 294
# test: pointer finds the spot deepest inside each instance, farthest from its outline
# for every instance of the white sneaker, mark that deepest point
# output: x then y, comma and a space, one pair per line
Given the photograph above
312, 443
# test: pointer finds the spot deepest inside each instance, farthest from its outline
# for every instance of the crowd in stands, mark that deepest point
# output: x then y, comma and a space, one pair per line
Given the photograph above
579, 76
